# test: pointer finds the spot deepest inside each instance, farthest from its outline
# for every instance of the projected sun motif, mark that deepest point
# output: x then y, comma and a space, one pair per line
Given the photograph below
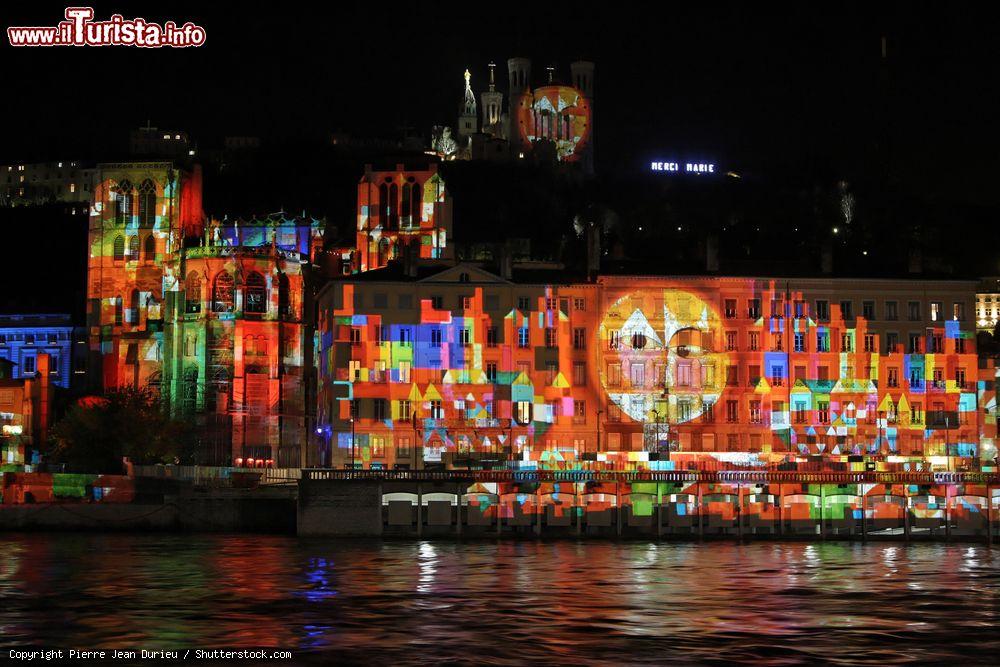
560, 114
658, 357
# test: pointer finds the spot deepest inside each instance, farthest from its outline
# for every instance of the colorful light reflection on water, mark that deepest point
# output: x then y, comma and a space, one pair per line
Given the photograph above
505, 602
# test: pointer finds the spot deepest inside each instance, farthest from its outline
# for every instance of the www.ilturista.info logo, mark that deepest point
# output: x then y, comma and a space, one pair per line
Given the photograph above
79, 29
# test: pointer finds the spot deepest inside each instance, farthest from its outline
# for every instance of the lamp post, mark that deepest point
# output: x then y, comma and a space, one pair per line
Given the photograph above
353, 422
599, 413
947, 447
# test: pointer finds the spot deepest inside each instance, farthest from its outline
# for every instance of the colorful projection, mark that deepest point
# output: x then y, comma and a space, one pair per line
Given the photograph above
557, 114
463, 367
211, 315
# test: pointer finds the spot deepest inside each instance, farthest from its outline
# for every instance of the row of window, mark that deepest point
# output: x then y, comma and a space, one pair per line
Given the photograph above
821, 310
130, 252
491, 302
918, 342
31, 339
223, 297
124, 197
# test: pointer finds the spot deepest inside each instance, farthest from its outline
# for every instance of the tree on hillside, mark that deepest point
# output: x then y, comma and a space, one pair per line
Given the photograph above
97, 432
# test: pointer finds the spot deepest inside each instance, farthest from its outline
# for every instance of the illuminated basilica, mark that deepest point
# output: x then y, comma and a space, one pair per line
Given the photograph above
553, 122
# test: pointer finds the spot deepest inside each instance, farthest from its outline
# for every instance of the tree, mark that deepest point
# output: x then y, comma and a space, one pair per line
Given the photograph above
97, 432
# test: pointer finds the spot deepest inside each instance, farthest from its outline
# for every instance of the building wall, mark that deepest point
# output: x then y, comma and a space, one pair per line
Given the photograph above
46, 182
398, 208
24, 337
493, 369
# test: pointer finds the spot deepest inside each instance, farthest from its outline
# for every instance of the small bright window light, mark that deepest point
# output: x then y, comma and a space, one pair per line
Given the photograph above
836, 230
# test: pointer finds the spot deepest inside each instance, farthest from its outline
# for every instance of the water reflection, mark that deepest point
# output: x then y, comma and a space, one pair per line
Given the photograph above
506, 602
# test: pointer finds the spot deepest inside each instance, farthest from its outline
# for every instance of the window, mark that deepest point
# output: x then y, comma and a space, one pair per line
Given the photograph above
118, 311
755, 416
118, 252
614, 375
378, 446
491, 337
465, 337
731, 341
892, 377
913, 310
753, 341
123, 203
800, 412
959, 346
579, 339
915, 347
435, 337
847, 310
891, 342
916, 378
823, 341
960, 378
405, 337
523, 339
255, 294
465, 302
684, 374
579, 374
222, 293
133, 249
753, 308
437, 302
891, 310
579, 412
524, 303
405, 410
579, 303
754, 375
133, 308
523, 412
491, 372
847, 342
437, 412
917, 412
777, 308
147, 203
638, 340
958, 311
868, 310
614, 340
938, 378
936, 308
823, 408
550, 337
192, 293
638, 374
822, 310
149, 249
776, 342
870, 344
379, 409
730, 309
937, 344
732, 375
404, 371
708, 411
800, 373
29, 364
732, 411
777, 375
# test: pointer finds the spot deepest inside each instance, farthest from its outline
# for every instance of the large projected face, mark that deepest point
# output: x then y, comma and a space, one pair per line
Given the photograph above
560, 114
658, 358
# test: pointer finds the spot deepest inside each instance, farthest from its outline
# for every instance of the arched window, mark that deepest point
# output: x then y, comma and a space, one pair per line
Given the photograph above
133, 249
190, 390
133, 308
255, 294
119, 248
222, 293
123, 203
147, 203
284, 305
192, 293
417, 204
393, 206
383, 251
404, 204
118, 311
149, 249
383, 205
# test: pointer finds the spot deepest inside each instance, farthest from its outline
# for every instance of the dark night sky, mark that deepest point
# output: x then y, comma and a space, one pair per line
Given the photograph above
765, 87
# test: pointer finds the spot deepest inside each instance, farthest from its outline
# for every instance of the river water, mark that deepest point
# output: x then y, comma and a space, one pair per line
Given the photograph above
505, 602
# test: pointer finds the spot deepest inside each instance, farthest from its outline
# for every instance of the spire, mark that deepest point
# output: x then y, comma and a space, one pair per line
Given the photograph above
469, 106
493, 85
551, 71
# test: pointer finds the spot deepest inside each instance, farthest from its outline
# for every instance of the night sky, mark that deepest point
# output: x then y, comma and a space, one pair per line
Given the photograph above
774, 89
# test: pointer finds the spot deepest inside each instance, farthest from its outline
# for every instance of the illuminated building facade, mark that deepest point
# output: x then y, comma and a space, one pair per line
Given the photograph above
215, 317
459, 367
24, 337
25, 410
401, 210
988, 304
46, 182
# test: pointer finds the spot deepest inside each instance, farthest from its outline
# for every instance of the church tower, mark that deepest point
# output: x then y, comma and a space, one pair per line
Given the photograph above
492, 106
468, 117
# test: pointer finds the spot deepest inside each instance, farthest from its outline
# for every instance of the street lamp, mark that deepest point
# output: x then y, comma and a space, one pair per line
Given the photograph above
353, 422
599, 413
